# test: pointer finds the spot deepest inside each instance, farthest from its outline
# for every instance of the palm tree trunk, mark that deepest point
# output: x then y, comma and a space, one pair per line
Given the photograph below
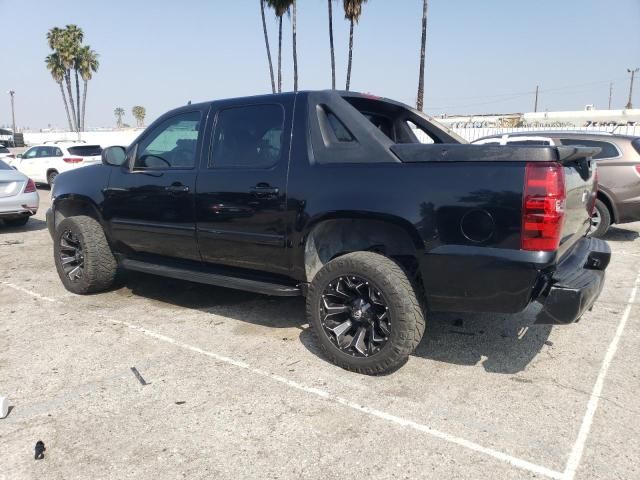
66, 106
295, 51
420, 101
333, 55
67, 79
350, 56
266, 42
84, 102
280, 56
78, 123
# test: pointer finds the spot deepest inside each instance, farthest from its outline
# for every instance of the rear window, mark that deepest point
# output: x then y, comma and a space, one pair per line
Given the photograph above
4, 150
636, 144
4, 166
609, 150
86, 150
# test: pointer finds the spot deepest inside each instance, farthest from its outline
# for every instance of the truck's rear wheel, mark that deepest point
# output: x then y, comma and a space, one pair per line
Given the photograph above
82, 255
365, 313
600, 221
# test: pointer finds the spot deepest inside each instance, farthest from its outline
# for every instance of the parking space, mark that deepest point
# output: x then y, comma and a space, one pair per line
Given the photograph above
237, 387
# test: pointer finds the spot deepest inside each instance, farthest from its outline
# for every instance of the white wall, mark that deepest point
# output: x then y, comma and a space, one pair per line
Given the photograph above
104, 139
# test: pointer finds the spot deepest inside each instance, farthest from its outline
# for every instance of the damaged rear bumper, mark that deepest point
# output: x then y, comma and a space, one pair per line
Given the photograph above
575, 284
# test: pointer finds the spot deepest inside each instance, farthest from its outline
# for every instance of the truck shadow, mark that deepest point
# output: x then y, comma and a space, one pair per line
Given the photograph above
500, 343
33, 225
617, 234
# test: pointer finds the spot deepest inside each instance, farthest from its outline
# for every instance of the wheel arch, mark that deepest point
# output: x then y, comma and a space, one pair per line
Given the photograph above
339, 233
71, 205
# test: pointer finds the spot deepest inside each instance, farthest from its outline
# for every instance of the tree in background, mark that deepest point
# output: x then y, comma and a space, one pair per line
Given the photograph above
333, 53
266, 42
352, 12
295, 50
119, 113
57, 70
69, 58
420, 100
139, 113
280, 7
87, 65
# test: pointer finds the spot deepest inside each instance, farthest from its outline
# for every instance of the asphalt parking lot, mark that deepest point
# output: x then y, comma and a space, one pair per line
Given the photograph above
236, 386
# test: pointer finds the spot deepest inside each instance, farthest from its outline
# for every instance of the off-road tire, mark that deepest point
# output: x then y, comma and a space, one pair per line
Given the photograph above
100, 266
605, 220
407, 314
17, 222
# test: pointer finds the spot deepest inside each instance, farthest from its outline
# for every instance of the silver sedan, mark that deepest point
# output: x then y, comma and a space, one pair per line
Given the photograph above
18, 196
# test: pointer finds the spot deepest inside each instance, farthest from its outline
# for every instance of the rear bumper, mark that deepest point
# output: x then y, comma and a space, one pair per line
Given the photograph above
576, 284
19, 205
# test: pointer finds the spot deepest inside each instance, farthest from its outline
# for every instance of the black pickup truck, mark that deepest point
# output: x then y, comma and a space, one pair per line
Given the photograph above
366, 206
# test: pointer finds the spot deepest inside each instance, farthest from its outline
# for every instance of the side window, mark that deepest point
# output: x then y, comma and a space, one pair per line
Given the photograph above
339, 129
248, 137
31, 153
57, 153
609, 150
539, 143
172, 144
421, 135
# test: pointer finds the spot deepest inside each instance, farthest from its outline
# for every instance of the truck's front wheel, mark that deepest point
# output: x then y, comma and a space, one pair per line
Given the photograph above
83, 257
365, 313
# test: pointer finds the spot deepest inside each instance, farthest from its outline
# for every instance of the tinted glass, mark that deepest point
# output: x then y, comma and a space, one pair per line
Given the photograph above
340, 131
248, 137
608, 149
636, 144
86, 150
172, 144
4, 166
4, 150
540, 143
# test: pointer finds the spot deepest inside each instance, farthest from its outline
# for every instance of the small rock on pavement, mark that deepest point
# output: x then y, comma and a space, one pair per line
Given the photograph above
4, 407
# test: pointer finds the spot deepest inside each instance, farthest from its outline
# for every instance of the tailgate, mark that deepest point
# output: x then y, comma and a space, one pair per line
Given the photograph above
581, 188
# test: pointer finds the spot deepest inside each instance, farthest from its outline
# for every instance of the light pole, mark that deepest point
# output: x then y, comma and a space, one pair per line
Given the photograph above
13, 116
633, 73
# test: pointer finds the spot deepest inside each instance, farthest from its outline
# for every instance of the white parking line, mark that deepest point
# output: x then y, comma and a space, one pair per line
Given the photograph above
399, 421
578, 448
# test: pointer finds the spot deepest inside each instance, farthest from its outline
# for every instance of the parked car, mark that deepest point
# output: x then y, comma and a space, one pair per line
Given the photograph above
618, 170
18, 196
44, 162
331, 195
5, 154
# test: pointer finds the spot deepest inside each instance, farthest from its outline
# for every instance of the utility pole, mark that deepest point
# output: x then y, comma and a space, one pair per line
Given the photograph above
610, 94
633, 73
13, 116
535, 106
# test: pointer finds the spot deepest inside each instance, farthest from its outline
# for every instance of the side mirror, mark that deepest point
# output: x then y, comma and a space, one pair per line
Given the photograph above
114, 156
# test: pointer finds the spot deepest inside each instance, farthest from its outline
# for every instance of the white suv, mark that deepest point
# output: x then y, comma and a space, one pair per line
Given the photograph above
43, 163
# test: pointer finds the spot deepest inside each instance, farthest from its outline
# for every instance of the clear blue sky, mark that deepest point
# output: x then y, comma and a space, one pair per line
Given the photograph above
482, 56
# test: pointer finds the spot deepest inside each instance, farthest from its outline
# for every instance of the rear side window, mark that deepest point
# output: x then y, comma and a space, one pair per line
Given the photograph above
609, 150
248, 137
4, 166
4, 150
636, 144
86, 150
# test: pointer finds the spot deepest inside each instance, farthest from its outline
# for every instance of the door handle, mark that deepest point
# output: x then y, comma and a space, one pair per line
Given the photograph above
264, 190
177, 188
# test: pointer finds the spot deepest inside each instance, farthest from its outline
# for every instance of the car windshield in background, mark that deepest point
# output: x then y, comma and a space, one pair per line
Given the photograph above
86, 150
4, 150
4, 166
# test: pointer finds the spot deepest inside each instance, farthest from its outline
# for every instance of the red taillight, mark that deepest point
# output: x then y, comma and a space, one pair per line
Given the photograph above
31, 187
638, 169
72, 159
543, 203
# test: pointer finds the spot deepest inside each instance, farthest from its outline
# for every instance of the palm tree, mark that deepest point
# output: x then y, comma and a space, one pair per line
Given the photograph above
280, 7
352, 12
74, 36
420, 101
139, 113
88, 64
55, 67
266, 42
333, 54
58, 41
119, 113
295, 51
